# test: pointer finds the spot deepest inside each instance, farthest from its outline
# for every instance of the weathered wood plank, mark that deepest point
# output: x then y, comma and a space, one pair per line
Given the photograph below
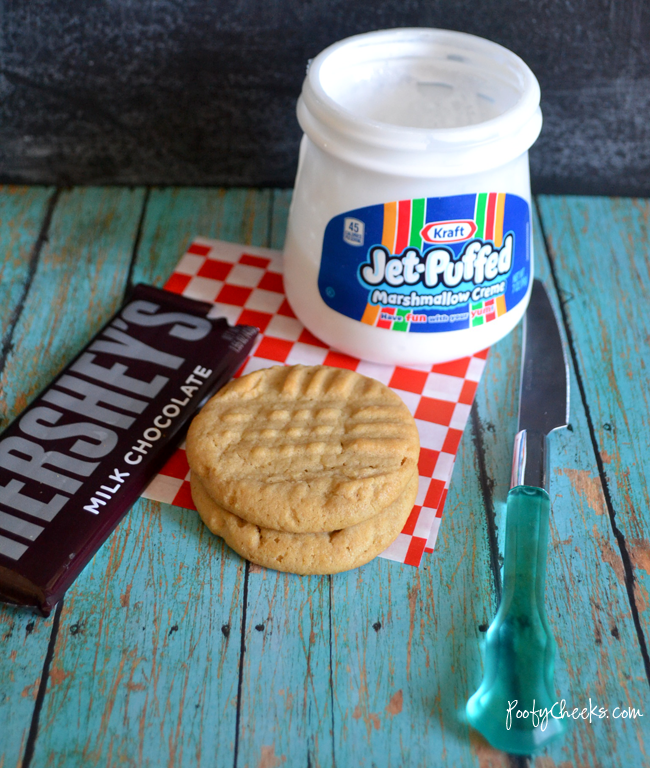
176, 216
23, 643
145, 667
600, 249
22, 213
281, 204
79, 279
598, 654
79, 283
286, 716
146, 664
406, 644
23, 638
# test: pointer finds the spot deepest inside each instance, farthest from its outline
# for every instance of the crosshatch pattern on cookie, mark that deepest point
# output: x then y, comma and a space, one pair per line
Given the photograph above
245, 285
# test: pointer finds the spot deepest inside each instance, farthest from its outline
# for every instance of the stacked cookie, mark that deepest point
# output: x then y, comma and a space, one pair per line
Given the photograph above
309, 470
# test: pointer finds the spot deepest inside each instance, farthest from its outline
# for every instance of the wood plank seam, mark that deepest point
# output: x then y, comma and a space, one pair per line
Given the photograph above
487, 487
138, 238
277, 233
242, 647
618, 534
42, 687
331, 681
33, 264
242, 652
269, 220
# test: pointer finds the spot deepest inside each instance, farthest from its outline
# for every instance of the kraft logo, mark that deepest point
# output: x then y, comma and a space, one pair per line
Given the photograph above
448, 231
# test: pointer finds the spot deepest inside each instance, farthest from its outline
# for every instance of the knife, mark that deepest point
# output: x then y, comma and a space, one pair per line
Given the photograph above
517, 688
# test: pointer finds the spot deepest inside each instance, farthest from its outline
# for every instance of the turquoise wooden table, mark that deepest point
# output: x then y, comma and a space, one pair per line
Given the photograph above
170, 650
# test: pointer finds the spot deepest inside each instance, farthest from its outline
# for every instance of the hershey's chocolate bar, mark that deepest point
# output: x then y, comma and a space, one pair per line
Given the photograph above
74, 462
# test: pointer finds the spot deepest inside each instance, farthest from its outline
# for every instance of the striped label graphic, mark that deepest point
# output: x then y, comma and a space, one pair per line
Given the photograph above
485, 311
488, 215
403, 222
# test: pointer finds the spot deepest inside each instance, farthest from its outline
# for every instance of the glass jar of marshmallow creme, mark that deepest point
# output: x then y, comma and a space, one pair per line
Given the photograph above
409, 238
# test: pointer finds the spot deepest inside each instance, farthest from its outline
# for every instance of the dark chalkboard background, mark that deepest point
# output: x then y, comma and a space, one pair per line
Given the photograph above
203, 91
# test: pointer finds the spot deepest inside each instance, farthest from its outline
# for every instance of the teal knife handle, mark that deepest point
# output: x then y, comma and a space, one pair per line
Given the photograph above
520, 649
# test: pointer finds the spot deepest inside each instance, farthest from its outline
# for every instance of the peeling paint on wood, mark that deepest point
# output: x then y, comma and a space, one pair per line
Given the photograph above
368, 668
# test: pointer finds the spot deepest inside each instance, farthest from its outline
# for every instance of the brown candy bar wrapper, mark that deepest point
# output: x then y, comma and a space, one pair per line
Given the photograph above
74, 462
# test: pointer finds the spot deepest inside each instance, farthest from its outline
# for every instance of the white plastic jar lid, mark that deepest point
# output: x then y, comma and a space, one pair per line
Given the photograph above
423, 102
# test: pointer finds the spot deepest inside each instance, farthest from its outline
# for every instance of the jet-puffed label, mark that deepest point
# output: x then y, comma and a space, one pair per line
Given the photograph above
429, 264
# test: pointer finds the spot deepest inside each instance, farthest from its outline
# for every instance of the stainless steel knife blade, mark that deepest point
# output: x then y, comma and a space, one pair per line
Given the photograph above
544, 390
544, 393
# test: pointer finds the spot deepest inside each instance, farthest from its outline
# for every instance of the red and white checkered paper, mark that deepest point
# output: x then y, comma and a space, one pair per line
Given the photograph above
245, 285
